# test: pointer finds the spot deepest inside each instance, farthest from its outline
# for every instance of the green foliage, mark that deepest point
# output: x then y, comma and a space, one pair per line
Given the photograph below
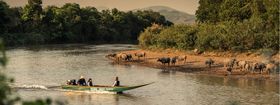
32, 15
210, 37
177, 36
72, 24
208, 11
4, 19
215, 11
234, 10
148, 37
223, 25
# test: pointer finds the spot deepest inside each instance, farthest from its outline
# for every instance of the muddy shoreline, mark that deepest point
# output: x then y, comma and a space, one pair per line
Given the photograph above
196, 63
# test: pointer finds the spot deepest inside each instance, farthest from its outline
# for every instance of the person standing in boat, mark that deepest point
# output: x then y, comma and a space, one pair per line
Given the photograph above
117, 82
90, 82
82, 81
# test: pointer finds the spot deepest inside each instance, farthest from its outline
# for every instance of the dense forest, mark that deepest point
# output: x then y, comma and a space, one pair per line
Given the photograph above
224, 25
33, 24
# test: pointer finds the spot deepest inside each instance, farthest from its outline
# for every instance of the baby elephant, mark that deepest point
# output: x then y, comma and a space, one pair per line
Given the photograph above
173, 60
209, 62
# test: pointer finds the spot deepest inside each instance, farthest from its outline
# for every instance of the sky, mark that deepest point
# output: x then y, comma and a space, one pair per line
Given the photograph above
188, 6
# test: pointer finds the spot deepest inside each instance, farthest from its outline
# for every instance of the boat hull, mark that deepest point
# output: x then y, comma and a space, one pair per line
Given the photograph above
101, 89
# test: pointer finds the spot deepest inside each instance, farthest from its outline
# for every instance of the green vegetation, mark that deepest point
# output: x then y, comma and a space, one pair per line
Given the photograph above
224, 25
70, 23
177, 36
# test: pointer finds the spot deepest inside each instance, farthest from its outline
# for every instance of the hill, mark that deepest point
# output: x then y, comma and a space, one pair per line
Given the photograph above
172, 15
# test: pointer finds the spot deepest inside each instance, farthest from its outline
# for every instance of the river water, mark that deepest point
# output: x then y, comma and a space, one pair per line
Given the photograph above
46, 66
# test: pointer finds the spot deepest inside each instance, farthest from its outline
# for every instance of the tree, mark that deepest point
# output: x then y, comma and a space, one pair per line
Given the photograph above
235, 10
4, 19
89, 23
208, 11
73, 24
32, 14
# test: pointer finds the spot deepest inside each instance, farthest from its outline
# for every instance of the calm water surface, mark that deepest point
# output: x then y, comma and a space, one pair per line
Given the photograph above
45, 66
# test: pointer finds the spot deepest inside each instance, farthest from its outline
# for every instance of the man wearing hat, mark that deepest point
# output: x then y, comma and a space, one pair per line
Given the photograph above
82, 81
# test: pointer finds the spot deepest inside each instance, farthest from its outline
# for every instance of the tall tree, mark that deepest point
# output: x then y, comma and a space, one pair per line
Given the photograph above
32, 14
208, 11
4, 18
231, 10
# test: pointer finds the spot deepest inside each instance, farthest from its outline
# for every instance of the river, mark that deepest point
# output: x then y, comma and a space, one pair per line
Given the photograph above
36, 68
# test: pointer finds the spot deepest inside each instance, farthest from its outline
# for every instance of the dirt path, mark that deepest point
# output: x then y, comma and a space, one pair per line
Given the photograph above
196, 63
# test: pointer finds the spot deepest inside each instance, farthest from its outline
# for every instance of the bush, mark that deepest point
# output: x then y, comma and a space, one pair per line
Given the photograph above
177, 36
225, 36
148, 37
34, 38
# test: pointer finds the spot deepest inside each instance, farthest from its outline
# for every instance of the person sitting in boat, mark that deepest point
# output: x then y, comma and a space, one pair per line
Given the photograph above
82, 81
90, 82
68, 82
71, 82
117, 82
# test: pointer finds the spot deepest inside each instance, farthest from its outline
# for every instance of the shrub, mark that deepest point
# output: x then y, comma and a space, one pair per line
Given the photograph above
224, 36
177, 36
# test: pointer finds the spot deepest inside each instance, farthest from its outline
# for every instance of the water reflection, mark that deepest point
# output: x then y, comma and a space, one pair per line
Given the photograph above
243, 83
167, 72
93, 98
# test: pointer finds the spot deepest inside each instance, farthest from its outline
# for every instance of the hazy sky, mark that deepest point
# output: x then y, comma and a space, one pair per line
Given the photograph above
189, 6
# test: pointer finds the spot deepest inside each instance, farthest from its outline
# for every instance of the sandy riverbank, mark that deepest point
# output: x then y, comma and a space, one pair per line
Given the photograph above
196, 63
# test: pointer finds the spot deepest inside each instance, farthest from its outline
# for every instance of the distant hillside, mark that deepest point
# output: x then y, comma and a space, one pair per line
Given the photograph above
172, 15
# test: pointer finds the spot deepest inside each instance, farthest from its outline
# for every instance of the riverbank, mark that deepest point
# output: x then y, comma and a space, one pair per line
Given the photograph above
196, 62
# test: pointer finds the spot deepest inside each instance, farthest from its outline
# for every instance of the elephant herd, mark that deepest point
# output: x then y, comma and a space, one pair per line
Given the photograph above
126, 56
229, 64
249, 66
163, 60
246, 66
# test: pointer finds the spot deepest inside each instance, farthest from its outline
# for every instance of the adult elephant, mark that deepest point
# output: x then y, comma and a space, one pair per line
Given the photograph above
259, 66
164, 60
